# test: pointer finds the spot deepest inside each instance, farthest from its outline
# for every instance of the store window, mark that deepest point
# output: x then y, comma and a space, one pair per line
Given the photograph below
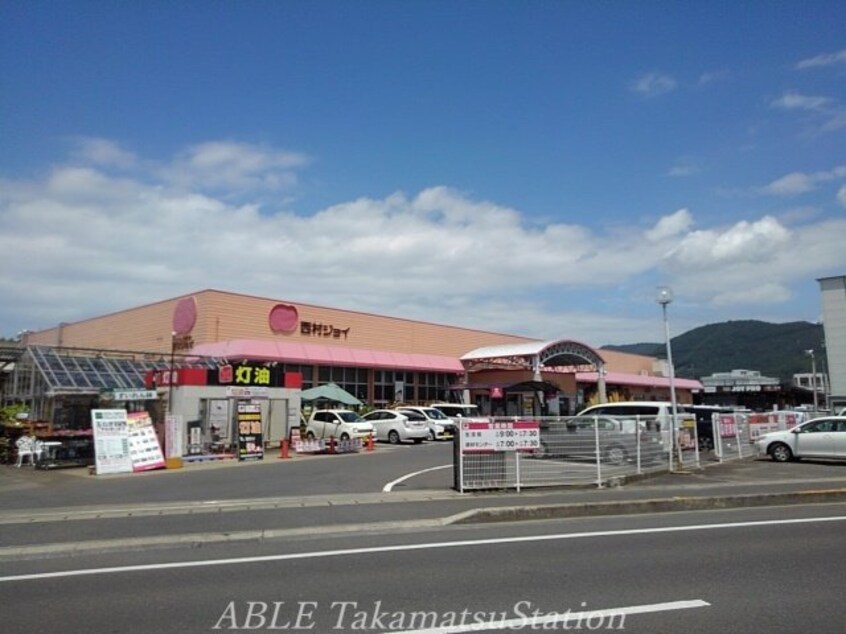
353, 380
391, 386
433, 386
307, 372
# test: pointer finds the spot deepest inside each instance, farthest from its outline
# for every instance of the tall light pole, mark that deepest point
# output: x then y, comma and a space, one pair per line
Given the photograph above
664, 296
811, 354
170, 374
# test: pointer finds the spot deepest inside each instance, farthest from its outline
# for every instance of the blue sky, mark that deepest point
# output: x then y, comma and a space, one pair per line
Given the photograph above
535, 168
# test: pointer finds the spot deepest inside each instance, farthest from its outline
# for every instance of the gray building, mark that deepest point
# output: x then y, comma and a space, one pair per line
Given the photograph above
833, 291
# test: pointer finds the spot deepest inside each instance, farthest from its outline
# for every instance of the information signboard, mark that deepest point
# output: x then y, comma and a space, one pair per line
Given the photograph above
144, 447
250, 440
513, 435
111, 441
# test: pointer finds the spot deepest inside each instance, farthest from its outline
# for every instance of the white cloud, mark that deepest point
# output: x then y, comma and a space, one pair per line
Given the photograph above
235, 166
653, 84
683, 169
103, 152
790, 185
671, 226
841, 196
82, 241
799, 183
743, 242
826, 59
795, 101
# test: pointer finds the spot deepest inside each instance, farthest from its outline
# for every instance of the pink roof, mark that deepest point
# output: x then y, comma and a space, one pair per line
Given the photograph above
618, 378
317, 354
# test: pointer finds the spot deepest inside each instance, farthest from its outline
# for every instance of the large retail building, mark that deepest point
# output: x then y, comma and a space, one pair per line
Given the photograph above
210, 340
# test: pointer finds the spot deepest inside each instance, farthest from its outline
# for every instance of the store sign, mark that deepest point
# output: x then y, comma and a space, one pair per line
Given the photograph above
250, 439
247, 374
131, 395
233, 391
318, 329
518, 435
182, 343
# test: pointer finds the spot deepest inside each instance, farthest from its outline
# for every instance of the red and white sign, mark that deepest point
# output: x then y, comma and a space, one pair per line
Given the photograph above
513, 435
144, 448
728, 427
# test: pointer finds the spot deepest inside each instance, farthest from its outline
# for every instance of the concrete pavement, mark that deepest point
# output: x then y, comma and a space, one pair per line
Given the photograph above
38, 530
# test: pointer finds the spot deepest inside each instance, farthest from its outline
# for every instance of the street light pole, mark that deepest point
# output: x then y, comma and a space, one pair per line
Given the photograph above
170, 374
811, 354
664, 297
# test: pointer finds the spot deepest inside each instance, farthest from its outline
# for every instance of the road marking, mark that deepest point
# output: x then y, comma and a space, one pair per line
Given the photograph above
590, 618
387, 488
321, 554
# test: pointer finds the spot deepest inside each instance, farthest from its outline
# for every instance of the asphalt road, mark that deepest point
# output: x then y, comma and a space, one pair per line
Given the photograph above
53, 513
230, 480
742, 571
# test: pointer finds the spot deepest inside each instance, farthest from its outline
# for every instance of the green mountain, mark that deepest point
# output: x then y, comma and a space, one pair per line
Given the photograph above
775, 350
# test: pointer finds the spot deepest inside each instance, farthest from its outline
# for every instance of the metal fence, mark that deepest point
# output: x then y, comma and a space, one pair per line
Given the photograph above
603, 451
734, 435
573, 451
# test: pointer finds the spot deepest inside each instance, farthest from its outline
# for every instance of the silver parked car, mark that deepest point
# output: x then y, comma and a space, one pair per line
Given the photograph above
616, 441
440, 425
396, 427
817, 438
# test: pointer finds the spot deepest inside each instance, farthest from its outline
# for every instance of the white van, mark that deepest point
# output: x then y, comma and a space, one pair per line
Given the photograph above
653, 415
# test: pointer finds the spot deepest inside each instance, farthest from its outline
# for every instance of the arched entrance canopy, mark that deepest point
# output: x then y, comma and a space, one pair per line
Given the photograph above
560, 353
536, 355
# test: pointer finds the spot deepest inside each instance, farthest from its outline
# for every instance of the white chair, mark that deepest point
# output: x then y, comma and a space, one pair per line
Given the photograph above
26, 449
37, 452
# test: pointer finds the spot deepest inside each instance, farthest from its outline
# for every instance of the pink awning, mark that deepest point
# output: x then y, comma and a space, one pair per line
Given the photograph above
619, 378
317, 354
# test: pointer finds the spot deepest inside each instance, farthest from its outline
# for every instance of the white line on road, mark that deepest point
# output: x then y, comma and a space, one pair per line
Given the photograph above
407, 547
590, 618
387, 488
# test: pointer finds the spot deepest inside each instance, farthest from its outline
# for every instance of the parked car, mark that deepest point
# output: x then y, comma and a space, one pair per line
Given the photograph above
440, 425
460, 411
705, 422
343, 424
396, 427
617, 440
656, 415
823, 437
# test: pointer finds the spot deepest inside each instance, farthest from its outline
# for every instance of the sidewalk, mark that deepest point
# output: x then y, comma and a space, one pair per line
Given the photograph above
44, 532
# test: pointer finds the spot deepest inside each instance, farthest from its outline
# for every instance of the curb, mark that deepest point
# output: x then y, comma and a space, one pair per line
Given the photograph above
658, 505
474, 516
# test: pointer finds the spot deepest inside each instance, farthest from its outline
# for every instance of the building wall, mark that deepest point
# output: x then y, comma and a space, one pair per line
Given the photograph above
223, 316
833, 291
146, 328
628, 363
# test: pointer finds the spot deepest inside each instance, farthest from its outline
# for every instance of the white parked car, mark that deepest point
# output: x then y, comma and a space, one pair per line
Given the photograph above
342, 424
461, 411
440, 425
396, 427
817, 438
655, 416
